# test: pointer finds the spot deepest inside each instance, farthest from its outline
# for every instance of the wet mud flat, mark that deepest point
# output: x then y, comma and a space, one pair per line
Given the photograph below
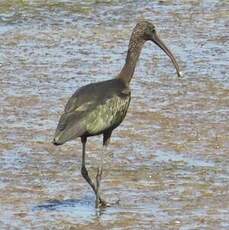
168, 161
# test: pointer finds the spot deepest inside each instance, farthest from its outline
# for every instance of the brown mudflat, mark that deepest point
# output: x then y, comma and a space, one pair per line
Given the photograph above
167, 163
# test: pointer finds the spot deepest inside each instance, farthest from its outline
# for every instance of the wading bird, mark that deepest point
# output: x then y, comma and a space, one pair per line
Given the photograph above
99, 108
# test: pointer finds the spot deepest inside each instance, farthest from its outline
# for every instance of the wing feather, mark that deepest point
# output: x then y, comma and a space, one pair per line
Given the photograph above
92, 108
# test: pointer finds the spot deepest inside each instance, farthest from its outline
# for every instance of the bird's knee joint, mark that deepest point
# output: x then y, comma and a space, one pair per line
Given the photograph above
84, 171
98, 176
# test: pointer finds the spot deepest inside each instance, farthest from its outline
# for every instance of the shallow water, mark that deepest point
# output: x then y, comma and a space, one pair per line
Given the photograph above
167, 162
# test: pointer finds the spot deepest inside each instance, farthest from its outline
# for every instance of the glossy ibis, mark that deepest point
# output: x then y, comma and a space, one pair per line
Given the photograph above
99, 108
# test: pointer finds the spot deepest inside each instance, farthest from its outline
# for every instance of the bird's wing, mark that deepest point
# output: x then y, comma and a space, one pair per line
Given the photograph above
88, 97
73, 102
72, 121
84, 109
69, 127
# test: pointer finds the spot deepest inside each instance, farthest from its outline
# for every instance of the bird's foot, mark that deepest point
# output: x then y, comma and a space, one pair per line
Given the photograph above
104, 204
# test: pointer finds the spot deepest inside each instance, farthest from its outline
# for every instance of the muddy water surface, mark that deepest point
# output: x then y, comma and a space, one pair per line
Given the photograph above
168, 161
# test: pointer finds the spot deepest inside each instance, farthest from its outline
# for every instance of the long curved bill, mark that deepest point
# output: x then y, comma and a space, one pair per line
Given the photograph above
159, 42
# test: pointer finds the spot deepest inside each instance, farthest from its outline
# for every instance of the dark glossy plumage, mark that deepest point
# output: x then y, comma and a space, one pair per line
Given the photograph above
93, 109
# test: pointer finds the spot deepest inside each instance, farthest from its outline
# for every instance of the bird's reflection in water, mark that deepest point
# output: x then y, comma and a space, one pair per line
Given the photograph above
83, 208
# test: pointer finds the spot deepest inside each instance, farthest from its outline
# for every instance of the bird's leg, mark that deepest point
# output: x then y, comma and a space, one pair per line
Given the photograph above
98, 202
84, 171
98, 179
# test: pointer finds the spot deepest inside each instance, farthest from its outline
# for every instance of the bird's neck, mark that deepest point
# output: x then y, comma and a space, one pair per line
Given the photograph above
134, 50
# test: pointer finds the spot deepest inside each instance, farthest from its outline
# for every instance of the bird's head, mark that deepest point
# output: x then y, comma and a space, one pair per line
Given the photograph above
146, 31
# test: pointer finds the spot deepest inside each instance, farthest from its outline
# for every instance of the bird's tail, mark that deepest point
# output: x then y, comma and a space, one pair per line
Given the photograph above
70, 126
